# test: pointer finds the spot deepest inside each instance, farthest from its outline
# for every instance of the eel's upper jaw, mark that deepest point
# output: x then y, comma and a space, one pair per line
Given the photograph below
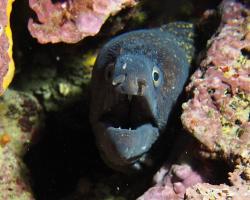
130, 130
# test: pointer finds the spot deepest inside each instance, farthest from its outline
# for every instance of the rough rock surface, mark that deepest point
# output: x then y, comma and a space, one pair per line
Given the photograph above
183, 171
217, 115
6, 61
200, 191
239, 188
70, 21
20, 118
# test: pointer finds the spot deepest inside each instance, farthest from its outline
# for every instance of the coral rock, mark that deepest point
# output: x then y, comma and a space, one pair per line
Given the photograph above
20, 116
6, 60
70, 21
172, 180
218, 114
218, 192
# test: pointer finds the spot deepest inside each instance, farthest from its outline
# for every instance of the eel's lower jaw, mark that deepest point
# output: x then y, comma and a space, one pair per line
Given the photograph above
126, 131
126, 148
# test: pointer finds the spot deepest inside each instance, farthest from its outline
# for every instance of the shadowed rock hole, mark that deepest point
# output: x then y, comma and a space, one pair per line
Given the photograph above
246, 52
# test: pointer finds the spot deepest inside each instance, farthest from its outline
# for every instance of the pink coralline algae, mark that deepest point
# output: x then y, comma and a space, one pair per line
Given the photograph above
70, 21
217, 192
239, 188
6, 60
217, 115
172, 180
174, 184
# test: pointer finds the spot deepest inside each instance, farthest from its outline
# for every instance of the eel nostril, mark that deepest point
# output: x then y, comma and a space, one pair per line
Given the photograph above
141, 86
118, 80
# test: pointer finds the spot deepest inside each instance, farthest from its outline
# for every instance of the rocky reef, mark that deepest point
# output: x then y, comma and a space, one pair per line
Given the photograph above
47, 149
217, 116
21, 118
70, 21
6, 60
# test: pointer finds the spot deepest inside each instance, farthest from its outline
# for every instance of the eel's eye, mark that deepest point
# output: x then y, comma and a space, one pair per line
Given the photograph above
109, 71
156, 76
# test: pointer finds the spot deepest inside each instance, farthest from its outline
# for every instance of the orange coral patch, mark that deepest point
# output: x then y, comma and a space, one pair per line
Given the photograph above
5, 139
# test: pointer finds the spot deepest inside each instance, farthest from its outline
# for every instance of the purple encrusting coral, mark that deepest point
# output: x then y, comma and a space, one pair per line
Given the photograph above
70, 21
174, 184
219, 110
4, 42
218, 113
172, 180
6, 60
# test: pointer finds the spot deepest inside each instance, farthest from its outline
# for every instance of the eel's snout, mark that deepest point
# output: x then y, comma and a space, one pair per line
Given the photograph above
129, 84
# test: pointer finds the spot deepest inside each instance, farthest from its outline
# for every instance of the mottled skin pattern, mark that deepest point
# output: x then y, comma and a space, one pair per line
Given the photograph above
136, 81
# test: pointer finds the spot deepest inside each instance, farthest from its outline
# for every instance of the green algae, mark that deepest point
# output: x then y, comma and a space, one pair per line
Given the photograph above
57, 87
20, 118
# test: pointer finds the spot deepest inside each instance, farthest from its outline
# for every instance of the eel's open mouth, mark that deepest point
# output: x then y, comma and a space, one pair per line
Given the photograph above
130, 112
130, 129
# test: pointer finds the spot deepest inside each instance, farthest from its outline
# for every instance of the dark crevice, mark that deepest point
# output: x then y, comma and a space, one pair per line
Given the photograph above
246, 53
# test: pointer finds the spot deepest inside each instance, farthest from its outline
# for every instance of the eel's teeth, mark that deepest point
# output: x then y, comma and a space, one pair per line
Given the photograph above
137, 166
129, 97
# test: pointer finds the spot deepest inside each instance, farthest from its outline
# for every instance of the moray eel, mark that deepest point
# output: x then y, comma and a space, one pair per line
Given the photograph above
136, 80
